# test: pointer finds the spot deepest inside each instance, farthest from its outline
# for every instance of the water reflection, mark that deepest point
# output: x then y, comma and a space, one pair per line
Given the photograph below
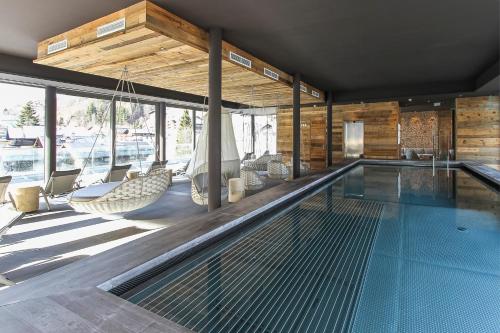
453, 188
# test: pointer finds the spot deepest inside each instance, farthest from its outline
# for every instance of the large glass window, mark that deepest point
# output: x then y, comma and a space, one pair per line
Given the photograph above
179, 145
83, 136
199, 123
242, 133
22, 113
135, 135
265, 134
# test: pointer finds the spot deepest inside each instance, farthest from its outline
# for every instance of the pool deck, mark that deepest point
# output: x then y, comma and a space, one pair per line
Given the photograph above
68, 299
46, 240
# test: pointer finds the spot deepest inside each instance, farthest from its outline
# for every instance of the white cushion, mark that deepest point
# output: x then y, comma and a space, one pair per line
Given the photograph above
92, 192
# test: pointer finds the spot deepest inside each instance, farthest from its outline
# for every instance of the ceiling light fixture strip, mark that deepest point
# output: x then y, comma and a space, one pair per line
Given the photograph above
240, 59
271, 74
111, 27
57, 46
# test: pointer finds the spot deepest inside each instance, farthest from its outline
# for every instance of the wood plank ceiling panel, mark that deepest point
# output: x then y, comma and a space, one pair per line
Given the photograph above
162, 50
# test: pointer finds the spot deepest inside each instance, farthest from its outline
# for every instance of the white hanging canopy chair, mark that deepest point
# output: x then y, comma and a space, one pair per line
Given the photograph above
126, 196
230, 160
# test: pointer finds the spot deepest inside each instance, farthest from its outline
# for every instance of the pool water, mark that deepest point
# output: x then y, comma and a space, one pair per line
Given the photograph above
380, 249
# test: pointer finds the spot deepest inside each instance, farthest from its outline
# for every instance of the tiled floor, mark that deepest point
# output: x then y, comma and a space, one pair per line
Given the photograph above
426, 275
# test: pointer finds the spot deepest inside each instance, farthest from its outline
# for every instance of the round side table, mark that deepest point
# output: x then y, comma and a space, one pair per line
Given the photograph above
27, 198
132, 174
236, 190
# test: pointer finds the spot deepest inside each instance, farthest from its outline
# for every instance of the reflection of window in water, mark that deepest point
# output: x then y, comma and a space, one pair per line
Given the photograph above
354, 183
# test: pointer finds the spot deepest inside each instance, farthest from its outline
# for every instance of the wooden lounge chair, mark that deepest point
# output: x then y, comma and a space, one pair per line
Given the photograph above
117, 173
6, 223
4, 183
60, 183
156, 165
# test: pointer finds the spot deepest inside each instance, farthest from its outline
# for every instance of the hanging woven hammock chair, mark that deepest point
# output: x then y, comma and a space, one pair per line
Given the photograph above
230, 160
121, 196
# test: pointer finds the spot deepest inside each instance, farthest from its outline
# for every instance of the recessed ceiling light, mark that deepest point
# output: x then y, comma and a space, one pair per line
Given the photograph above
409, 99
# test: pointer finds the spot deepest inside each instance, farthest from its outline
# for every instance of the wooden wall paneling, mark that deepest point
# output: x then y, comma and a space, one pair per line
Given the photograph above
163, 50
445, 133
305, 139
313, 135
380, 128
477, 121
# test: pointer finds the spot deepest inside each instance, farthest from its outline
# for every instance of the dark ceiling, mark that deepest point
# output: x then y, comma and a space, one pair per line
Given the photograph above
344, 45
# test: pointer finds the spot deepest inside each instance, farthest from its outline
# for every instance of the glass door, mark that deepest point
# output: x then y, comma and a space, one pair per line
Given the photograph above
353, 139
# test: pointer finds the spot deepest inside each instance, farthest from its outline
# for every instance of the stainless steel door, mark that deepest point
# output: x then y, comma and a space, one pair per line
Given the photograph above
353, 139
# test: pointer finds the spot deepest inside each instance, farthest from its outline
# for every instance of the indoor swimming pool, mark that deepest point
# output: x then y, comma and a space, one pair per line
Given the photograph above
379, 249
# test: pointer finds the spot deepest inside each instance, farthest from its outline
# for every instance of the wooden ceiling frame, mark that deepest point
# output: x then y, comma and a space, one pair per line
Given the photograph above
163, 50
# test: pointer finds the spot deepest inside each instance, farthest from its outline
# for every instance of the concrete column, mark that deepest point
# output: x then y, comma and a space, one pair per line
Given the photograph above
329, 124
214, 118
161, 130
157, 131
252, 132
193, 122
296, 127
112, 124
50, 131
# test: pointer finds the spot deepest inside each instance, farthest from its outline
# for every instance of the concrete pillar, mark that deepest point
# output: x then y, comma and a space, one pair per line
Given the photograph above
252, 132
112, 125
296, 127
329, 124
214, 118
50, 131
193, 122
157, 131
161, 130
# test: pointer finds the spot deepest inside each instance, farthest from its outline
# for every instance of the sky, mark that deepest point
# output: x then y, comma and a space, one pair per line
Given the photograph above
12, 95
